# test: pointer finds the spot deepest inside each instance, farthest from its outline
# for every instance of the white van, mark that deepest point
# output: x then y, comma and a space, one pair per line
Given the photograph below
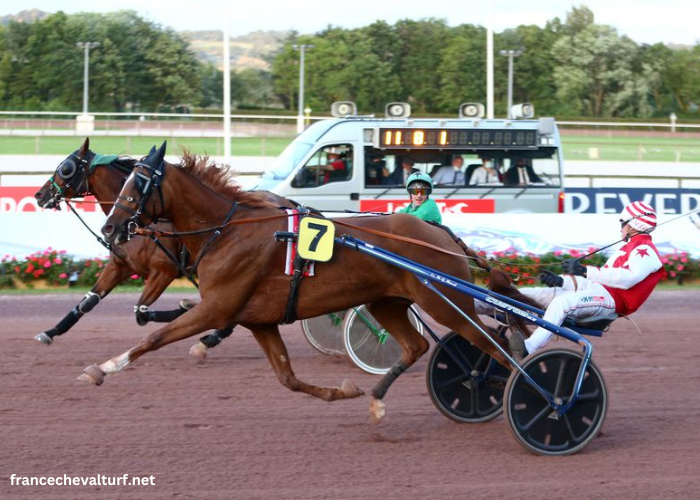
355, 163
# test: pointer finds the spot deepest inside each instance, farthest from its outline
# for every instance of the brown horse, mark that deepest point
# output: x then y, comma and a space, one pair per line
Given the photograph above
85, 173
241, 278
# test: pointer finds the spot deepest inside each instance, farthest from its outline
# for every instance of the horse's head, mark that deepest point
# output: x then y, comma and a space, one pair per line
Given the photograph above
69, 180
136, 206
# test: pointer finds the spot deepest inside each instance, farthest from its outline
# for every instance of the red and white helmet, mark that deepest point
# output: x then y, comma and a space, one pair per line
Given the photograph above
639, 216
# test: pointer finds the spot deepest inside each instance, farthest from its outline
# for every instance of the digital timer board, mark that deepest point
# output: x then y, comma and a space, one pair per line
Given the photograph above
436, 138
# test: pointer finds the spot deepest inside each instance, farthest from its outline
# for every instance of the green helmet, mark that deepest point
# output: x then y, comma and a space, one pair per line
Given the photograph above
420, 177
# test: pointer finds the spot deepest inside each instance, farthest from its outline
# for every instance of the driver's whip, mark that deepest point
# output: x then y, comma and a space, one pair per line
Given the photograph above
618, 241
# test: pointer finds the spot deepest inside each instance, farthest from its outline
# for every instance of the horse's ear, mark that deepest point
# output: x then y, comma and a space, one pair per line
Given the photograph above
161, 152
145, 159
85, 147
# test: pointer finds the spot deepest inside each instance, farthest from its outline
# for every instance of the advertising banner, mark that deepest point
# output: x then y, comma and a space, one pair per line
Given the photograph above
613, 200
452, 206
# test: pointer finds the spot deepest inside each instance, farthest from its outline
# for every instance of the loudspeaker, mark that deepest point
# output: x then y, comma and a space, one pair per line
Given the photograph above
397, 110
343, 108
471, 110
524, 110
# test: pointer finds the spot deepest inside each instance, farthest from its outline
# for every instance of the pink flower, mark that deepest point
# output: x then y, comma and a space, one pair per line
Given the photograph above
680, 268
673, 274
684, 259
63, 252
664, 260
97, 274
47, 264
62, 276
58, 261
134, 276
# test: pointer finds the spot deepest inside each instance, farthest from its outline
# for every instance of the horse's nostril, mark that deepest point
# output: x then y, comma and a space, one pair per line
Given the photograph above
38, 196
108, 229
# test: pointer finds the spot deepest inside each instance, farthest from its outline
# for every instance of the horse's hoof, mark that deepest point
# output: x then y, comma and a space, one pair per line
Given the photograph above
350, 390
93, 374
199, 351
44, 339
377, 410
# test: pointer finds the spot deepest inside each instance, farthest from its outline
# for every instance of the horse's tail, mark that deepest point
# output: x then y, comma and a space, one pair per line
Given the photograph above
499, 280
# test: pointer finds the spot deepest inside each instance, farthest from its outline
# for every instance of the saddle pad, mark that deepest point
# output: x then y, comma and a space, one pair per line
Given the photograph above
293, 226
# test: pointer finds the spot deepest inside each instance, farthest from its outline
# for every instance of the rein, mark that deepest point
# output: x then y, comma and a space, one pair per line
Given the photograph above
167, 234
98, 237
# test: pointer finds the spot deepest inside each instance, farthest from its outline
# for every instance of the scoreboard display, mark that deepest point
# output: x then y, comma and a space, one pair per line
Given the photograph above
435, 138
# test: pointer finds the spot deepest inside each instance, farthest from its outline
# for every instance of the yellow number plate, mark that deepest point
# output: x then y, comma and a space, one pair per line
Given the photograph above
316, 238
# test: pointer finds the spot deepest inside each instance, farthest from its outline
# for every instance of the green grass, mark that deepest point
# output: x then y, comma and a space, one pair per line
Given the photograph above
632, 148
138, 146
575, 147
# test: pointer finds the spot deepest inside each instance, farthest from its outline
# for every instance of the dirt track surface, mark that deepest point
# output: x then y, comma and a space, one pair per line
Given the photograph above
226, 429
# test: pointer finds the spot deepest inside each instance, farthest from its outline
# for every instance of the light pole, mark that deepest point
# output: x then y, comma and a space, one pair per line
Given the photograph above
300, 116
87, 46
510, 54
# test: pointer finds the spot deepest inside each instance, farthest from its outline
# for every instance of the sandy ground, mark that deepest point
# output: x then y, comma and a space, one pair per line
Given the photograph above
226, 429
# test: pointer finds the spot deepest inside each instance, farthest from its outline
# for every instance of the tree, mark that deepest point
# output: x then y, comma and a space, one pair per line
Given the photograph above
420, 59
594, 75
462, 76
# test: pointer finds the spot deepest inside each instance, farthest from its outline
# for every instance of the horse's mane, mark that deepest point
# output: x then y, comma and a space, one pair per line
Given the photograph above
125, 163
218, 178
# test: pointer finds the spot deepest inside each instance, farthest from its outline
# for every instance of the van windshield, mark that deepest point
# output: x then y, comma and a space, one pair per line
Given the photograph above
296, 150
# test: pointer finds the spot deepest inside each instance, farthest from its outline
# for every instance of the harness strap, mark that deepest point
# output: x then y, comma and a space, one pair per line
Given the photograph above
143, 231
212, 238
180, 265
290, 311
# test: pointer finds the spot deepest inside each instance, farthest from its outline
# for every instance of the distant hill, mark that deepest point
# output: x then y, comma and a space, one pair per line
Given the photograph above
253, 50
25, 16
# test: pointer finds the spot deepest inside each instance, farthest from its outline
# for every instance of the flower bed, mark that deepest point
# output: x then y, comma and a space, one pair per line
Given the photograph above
526, 267
56, 268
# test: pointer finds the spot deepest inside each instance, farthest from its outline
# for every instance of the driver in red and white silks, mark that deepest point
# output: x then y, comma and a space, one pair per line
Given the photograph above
588, 293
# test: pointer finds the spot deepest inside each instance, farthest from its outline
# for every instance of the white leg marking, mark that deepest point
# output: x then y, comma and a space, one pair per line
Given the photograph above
115, 365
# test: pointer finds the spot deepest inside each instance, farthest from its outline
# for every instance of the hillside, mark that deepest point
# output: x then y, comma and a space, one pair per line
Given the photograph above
25, 16
254, 50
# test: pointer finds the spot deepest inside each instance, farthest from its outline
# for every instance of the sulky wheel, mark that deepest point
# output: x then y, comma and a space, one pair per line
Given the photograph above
471, 397
325, 332
533, 422
368, 344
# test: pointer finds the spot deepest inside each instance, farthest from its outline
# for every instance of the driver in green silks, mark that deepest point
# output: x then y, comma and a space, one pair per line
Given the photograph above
419, 187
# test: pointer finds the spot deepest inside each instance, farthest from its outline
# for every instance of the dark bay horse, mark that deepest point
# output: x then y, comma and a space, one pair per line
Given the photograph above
85, 173
242, 279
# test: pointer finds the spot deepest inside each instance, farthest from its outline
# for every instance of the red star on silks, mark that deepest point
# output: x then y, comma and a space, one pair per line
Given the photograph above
643, 252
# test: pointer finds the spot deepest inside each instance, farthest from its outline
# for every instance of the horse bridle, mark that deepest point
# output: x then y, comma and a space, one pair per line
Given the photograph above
146, 185
74, 171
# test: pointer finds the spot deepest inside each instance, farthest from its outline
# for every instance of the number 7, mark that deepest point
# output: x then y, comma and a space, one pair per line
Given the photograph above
321, 231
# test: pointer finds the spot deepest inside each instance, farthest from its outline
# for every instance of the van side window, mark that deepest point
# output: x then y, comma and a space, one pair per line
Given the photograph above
329, 164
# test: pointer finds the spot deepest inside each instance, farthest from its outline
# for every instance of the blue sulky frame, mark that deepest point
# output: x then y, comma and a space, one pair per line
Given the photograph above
429, 276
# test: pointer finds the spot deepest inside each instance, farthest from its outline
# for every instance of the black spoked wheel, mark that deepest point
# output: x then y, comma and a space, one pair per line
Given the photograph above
533, 422
476, 396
